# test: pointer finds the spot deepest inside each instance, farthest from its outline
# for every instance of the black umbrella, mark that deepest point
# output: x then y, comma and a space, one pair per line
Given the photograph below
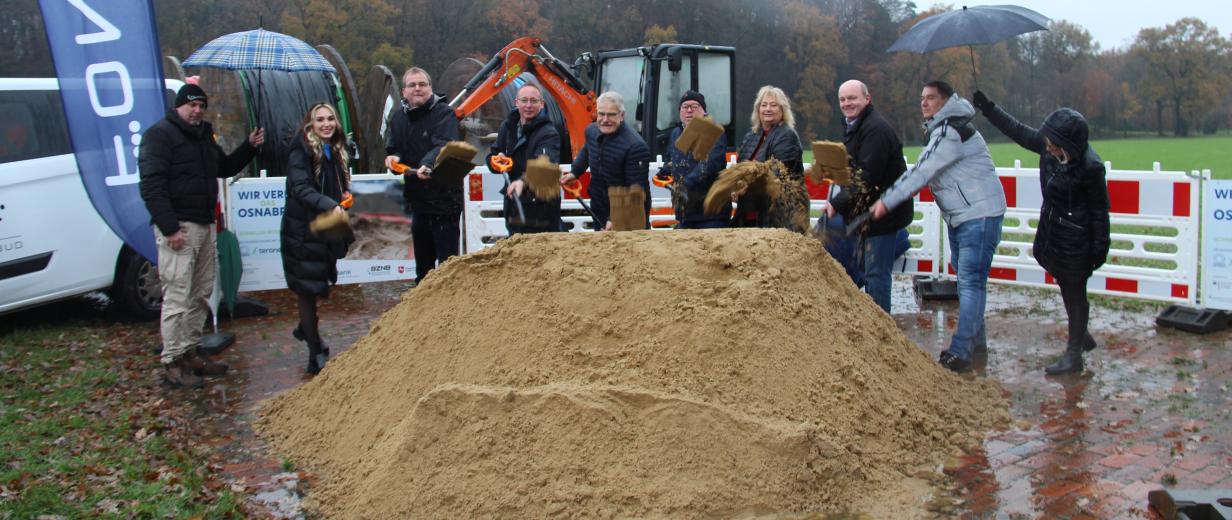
969, 26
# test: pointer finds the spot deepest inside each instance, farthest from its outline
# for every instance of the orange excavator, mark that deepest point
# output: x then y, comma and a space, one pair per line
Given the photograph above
651, 79
527, 54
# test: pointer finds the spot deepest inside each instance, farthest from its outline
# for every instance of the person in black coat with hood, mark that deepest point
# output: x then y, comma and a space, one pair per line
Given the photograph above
1072, 239
526, 134
317, 182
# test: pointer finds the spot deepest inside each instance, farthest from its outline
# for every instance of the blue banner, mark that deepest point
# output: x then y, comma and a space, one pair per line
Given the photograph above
111, 81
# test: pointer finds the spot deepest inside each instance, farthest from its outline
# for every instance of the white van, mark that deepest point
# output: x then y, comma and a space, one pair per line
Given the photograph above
53, 244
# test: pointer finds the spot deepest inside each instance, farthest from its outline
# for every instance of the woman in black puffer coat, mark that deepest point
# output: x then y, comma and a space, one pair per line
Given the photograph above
1072, 238
317, 181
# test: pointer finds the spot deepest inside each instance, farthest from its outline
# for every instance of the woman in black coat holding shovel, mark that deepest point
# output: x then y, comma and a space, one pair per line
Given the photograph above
1072, 239
317, 182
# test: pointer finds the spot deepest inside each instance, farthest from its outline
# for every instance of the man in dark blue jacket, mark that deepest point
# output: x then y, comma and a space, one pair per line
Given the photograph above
418, 129
526, 134
615, 155
692, 178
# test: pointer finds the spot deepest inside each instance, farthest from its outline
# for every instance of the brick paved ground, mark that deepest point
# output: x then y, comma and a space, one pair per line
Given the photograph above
1150, 411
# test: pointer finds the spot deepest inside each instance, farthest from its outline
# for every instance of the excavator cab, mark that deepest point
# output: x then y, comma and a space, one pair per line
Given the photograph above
652, 79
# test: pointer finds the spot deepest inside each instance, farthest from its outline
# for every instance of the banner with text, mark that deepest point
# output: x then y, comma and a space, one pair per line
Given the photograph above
1217, 245
382, 248
109, 66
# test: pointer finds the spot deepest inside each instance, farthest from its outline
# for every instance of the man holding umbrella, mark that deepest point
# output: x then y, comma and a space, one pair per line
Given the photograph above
180, 163
956, 166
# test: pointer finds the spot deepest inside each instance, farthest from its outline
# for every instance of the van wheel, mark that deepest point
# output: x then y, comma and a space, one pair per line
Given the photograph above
136, 290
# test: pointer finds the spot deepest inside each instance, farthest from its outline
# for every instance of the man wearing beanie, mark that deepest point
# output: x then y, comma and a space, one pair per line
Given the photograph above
692, 178
180, 164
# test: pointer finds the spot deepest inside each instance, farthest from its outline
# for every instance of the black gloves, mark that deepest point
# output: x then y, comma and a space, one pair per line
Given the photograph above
982, 102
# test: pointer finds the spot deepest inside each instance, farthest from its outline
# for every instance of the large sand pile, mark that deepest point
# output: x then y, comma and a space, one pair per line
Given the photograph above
640, 374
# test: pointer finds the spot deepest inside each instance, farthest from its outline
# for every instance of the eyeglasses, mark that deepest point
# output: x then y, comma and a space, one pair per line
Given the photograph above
529, 101
421, 84
607, 115
691, 106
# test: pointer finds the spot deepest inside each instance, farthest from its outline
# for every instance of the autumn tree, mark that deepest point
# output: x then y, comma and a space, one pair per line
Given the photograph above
1183, 70
811, 46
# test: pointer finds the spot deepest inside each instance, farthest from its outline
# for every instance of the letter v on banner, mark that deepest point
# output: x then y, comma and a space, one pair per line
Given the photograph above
111, 82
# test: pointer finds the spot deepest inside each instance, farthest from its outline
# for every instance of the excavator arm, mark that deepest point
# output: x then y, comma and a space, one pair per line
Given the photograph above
527, 54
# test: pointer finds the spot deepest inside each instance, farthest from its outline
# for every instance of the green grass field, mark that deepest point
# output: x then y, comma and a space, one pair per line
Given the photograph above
1172, 154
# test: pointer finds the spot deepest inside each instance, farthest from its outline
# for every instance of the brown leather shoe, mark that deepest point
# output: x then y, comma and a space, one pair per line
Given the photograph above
202, 365
179, 373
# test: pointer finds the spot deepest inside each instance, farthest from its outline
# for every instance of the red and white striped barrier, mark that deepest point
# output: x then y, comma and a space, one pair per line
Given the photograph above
1154, 218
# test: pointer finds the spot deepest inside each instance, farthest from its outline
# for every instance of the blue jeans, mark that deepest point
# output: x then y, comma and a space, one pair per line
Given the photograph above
879, 253
972, 245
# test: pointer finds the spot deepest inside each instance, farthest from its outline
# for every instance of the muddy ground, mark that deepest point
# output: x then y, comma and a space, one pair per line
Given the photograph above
1150, 412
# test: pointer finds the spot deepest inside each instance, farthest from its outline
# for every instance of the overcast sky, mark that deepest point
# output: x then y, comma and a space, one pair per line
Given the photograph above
1115, 23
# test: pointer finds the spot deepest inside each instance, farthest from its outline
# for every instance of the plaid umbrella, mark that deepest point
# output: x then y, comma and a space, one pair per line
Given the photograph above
258, 49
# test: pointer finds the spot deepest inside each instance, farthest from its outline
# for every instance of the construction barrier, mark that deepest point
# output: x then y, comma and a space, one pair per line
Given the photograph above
1154, 223
484, 221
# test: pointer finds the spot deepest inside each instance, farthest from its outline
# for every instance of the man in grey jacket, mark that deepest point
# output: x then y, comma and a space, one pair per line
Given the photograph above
957, 168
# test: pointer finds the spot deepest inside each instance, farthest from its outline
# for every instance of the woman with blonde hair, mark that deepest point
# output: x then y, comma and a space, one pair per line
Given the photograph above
773, 136
317, 182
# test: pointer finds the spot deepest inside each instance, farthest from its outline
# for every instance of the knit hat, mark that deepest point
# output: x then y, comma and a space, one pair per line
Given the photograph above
693, 95
189, 93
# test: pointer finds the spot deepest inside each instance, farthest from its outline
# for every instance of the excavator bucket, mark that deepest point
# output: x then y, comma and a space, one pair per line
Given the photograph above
628, 207
699, 137
543, 177
750, 177
830, 163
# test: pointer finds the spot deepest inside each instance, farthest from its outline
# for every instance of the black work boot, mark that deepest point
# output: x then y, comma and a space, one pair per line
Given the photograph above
1090, 343
298, 333
203, 365
1071, 361
317, 357
179, 373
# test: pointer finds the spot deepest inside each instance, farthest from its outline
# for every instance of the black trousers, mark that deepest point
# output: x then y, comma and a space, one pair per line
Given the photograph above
1077, 309
435, 239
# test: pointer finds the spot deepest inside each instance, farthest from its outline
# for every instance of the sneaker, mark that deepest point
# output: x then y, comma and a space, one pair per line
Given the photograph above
954, 363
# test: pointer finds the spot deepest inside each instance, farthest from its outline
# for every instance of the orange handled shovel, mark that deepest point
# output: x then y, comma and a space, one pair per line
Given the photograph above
502, 164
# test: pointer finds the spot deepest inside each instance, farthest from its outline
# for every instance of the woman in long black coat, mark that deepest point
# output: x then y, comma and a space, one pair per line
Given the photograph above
1072, 239
317, 182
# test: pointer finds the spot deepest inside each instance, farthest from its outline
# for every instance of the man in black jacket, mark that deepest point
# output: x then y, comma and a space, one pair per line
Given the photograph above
180, 164
876, 156
418, 129
526, 134
615, 155
692, 178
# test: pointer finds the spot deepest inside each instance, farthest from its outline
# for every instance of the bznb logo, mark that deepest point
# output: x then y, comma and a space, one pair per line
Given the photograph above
377, 269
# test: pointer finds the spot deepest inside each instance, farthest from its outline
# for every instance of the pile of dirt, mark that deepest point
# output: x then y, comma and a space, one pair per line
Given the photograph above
380, 239
680, 374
